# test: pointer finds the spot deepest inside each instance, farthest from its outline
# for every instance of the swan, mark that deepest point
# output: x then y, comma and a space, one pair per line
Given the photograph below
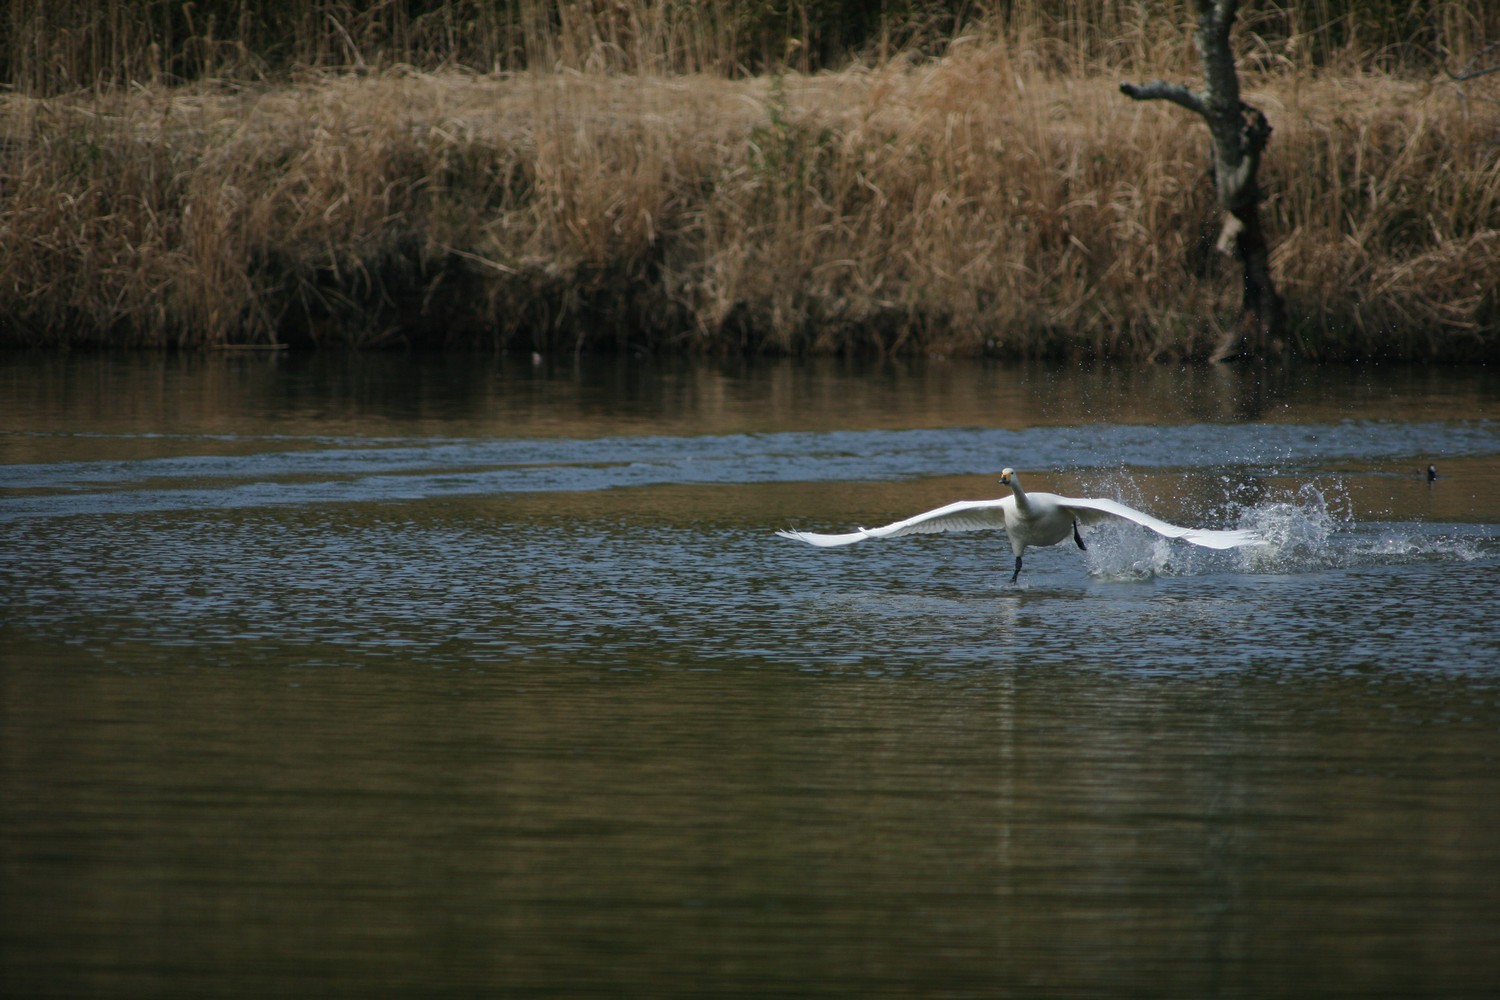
1030, 519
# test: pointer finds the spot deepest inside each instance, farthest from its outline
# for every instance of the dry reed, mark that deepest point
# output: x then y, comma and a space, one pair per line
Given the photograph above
1002, 199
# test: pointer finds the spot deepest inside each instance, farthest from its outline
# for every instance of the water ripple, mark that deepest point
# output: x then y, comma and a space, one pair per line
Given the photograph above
355, 470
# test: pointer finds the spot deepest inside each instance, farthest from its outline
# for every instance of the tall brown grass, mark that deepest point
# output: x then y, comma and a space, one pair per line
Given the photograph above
55, 46
629, 192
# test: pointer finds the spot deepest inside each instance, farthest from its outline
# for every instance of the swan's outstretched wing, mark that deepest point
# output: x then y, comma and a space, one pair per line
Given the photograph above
965, 515
1090, 511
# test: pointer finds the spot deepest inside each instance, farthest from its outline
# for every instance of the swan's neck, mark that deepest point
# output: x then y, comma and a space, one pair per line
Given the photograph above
1020, 494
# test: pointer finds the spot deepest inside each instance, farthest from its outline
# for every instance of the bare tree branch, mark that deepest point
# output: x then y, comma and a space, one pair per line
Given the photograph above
1160, 90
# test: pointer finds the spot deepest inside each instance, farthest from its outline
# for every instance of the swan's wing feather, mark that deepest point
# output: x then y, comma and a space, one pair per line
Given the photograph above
965, 515
1091, 511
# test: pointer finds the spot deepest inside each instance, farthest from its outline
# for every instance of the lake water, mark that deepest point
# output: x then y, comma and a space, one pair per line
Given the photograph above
391, 676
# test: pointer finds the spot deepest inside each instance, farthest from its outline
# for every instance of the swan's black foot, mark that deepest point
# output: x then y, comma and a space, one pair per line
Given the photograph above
1017, 573
1078, 538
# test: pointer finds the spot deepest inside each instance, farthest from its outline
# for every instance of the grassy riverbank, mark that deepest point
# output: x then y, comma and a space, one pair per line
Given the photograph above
999, 199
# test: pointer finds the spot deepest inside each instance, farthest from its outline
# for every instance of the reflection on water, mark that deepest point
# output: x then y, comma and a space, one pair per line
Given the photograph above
540, 830
370, 397
431, 678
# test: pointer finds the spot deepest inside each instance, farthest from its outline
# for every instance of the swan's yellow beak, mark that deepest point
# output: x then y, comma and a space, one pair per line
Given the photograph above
1005, 478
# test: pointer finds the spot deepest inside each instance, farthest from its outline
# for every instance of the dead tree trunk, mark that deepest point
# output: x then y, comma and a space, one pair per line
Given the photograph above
1240, 133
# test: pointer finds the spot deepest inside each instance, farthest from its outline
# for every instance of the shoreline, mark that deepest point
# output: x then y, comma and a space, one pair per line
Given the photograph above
966, 206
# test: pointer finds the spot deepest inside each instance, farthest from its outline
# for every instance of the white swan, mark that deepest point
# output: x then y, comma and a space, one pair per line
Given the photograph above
1030, 519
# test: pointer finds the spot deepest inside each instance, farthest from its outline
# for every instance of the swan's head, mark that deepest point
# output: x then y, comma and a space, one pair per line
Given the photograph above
1008, 477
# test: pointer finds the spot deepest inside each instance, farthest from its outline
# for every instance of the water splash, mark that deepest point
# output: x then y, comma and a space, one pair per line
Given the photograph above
1396, 546
1121, 552
1297, 532
1308, 530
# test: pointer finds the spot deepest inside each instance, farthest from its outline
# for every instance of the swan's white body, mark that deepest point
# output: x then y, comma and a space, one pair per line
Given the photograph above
1030, 519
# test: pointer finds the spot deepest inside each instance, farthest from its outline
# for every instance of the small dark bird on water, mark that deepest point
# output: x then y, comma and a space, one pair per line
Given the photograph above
1431, 473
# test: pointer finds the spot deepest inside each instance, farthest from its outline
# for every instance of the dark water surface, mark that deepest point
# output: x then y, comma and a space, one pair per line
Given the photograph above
434, 677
